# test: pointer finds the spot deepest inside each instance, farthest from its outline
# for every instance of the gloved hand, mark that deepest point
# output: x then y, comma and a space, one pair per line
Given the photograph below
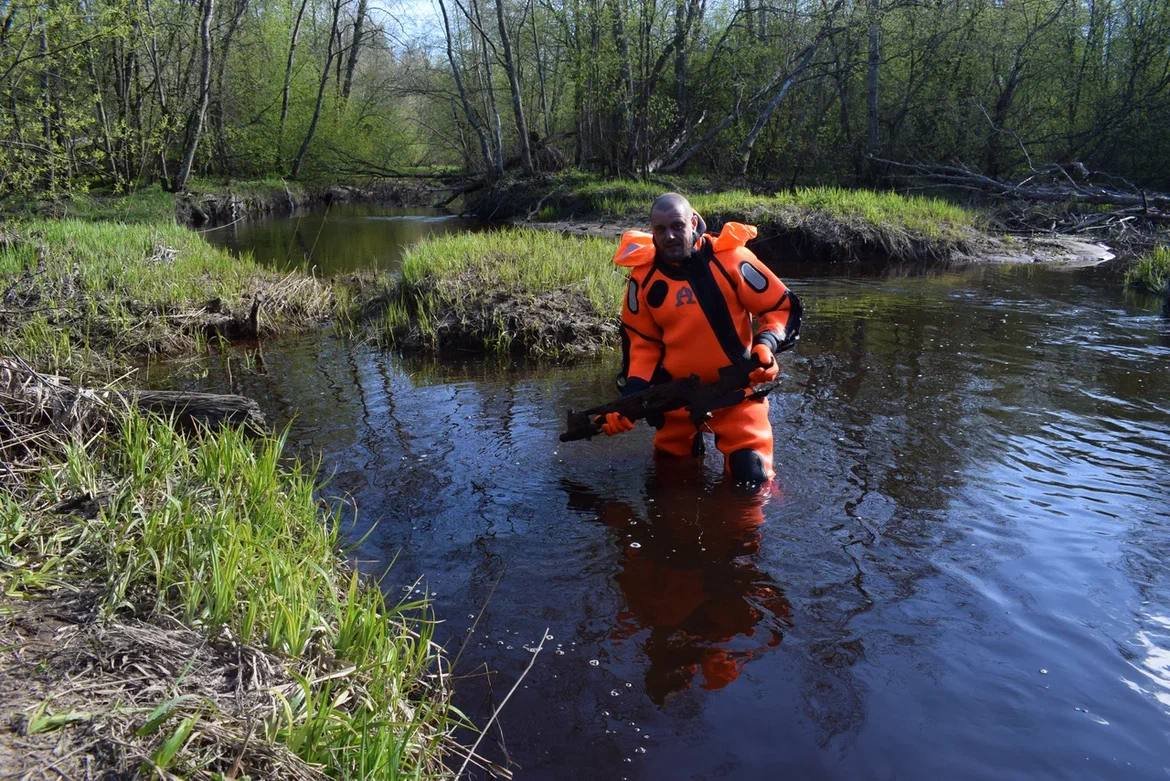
616, 423
768, 369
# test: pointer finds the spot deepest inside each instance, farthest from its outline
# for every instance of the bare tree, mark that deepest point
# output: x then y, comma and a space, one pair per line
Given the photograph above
195, 118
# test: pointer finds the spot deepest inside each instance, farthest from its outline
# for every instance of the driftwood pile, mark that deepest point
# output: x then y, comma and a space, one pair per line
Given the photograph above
40, 412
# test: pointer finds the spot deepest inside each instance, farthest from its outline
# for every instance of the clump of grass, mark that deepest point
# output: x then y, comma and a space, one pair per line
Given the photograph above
222, 533
1151, 274
833, 223
75, 288
511, 290
928, 217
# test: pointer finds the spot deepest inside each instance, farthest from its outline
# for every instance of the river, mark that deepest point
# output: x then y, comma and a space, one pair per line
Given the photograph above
960, 570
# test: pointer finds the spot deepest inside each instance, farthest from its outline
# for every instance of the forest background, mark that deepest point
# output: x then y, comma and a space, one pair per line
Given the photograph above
115, 94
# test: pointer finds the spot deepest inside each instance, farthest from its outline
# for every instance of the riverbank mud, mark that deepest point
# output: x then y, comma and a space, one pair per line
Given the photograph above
203, 208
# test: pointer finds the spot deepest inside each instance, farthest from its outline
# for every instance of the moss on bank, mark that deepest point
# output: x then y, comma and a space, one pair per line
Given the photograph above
1151, 274
510, 290
78, 294
293, 666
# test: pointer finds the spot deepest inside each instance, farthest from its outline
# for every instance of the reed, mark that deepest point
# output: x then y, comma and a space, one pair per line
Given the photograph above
1151, 274
225, 534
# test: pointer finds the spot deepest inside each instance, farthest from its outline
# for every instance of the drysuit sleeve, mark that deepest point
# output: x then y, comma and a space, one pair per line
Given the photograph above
642, 344
776, 309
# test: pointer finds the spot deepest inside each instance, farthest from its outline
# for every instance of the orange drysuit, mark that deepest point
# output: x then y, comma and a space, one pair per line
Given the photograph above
696, 317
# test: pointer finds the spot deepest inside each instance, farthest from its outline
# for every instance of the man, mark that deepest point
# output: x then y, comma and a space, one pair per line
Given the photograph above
691, 303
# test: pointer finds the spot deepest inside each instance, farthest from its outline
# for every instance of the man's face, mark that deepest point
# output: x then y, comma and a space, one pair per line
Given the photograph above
673, 228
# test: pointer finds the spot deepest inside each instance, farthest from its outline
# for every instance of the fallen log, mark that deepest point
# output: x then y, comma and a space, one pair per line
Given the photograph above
1069, 184
44, 402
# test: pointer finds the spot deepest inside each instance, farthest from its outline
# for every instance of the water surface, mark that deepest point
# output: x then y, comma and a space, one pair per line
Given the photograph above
343, 238
960, 570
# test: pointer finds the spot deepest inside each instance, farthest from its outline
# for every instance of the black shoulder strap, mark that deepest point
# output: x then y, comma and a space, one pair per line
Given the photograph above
713, 303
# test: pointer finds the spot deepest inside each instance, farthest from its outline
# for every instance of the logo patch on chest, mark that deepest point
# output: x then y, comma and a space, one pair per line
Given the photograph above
684, 296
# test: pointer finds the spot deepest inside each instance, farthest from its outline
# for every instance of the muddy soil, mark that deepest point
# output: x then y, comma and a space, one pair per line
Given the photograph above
561, 324
196, 209
83, 695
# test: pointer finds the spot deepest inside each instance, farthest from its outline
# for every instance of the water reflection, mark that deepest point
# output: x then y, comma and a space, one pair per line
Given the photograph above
694, 595
340, 239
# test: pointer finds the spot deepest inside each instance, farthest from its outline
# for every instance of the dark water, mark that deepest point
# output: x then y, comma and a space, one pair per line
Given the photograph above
346, 237
960, 572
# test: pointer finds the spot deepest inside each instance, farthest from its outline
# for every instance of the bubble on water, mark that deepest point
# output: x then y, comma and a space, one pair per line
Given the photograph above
605, 713
629, 685
614, 693
635, 545
560, 652
507, 648
641, 749
626, 759
594, 663
548, 637
646, 736
1043, 671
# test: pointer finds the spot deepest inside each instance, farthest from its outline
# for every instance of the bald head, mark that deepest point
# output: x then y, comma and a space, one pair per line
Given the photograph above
674, 226
669, 201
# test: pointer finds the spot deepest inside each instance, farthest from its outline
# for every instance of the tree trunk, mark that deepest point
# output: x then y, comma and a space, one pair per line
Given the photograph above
540, 77
514, 83
195, 121
295, 169
354, 48
492, 109
288, 69
872, 140
46, 118
217, 108
469, 111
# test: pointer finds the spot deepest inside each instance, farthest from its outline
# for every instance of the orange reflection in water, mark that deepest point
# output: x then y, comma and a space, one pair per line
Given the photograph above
689, 577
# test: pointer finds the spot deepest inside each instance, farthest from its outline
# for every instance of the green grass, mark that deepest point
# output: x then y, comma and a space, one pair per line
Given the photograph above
507, 289
531, 260
149, 205
1151, 274
226, 535
928, 217
78, 287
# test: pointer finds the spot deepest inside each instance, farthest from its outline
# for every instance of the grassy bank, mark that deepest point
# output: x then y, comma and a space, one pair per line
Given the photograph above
200, 620
510, 290
79, 294
1151, 274
817, 224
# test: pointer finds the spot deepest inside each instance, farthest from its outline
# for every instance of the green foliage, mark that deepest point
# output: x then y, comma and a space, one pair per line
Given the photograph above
1151, 274
225, 533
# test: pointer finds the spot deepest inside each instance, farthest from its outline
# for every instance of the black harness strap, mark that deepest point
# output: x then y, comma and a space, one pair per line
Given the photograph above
713, 304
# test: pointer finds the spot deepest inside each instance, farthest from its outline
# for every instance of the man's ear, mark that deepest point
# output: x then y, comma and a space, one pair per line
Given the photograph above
697, 223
